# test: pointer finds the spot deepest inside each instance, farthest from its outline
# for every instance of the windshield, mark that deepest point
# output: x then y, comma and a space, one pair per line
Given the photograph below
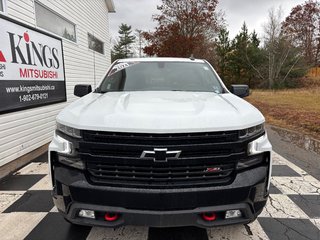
161, 76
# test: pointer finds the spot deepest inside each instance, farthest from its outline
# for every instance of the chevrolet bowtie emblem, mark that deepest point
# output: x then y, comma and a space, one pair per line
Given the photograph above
160, 154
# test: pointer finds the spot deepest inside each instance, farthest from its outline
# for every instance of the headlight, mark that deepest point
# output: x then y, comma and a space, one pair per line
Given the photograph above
254, 152
259, 145
65, 147
67, 154
249, 132
72, 132
254, 157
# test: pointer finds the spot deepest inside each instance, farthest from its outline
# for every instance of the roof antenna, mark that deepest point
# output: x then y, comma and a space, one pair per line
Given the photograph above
192, 57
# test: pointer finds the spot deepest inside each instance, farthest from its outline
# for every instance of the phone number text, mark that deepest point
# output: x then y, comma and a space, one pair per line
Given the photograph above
33, 97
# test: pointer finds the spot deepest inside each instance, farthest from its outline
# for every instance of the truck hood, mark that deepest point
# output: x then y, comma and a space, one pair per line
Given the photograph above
160, 112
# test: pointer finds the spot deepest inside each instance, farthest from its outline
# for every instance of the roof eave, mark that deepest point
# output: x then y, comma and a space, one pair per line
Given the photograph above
110, 6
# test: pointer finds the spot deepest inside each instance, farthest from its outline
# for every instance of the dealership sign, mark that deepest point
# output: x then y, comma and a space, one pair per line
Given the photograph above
31, 67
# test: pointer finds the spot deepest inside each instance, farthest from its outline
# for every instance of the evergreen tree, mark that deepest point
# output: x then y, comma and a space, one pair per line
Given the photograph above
239, 59
117, 52
255, 59
123, 48
223, 48
126, 39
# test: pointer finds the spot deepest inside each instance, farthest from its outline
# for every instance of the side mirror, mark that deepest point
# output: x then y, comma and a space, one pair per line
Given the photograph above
240, 90
81, 90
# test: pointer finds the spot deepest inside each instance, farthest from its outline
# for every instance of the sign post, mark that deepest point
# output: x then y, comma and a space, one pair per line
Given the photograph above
31, 67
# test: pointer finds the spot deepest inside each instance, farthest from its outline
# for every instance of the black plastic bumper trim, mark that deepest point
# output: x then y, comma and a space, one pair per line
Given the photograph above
161, 218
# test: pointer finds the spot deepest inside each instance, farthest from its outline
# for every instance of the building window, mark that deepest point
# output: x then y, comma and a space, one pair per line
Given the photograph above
95, 44
54, 23
1, 6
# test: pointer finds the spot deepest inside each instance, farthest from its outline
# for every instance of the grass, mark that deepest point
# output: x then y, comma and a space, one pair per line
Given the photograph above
297, 109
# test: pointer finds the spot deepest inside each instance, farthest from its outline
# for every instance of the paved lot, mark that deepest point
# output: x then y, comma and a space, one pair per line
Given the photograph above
293, 211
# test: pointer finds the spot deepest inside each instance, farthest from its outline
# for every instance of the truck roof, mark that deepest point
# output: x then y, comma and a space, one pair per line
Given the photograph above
161, 59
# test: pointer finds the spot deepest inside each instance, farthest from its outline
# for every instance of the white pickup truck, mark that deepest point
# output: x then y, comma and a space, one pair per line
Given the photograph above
161, 142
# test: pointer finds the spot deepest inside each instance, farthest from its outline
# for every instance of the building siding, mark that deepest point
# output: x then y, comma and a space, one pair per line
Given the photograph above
27, 130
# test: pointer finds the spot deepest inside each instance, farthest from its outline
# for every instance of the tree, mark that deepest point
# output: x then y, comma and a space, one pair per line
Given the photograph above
139, 44
274, 64
302, 28
117, 52
126, 38
237, 58
283, 57
184, 28
123, 47
256, 59
223, 49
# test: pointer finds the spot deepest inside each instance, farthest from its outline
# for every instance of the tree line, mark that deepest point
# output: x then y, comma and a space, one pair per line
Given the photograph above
283, 54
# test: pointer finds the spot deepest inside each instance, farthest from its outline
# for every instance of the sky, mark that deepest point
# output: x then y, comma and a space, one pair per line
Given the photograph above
138, 13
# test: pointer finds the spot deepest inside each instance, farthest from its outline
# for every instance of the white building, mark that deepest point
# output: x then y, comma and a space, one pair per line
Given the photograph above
26, 129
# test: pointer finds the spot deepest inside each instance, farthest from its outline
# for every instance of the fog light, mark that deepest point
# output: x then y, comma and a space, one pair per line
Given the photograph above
87, 214
233, 214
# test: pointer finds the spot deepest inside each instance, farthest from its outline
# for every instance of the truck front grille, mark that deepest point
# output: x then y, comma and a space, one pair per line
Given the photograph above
206, 159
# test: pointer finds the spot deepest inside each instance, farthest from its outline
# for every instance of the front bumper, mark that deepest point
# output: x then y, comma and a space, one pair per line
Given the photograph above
162, 207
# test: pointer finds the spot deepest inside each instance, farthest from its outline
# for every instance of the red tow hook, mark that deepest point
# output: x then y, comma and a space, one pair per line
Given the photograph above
111, 217
209, 216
